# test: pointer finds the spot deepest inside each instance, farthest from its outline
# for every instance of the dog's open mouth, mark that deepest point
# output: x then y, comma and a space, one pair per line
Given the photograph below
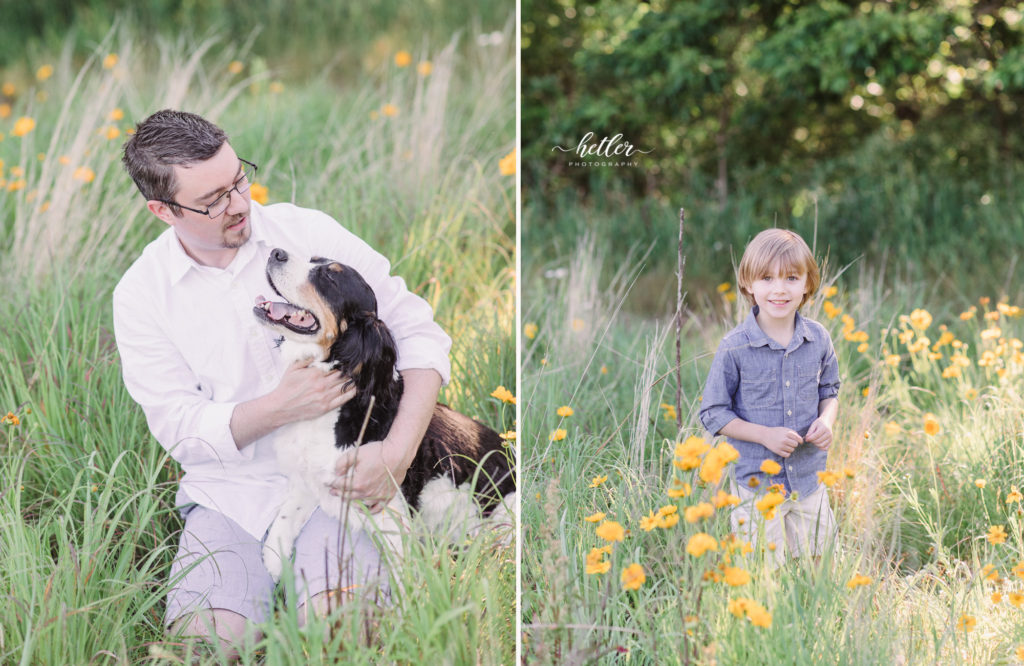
286, 314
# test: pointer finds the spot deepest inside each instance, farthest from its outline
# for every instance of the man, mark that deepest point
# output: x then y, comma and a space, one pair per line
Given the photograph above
214, 389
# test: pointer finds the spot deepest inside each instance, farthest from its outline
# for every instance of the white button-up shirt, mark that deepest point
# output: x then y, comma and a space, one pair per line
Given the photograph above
191, 349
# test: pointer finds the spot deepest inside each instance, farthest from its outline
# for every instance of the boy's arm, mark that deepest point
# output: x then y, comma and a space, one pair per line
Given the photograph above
820, 432
778, 440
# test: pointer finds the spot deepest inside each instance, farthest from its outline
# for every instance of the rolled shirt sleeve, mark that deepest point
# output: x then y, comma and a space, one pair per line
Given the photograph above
828, 383
716, 409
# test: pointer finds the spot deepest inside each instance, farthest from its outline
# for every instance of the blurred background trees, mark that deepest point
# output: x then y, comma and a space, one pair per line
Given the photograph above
899, 121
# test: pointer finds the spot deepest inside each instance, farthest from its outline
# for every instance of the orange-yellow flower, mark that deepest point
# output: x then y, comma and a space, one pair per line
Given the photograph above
688, 453
966, 623
723, 499
84, 174
507, 164
110, 60
530, 330
596, 564
258, 193
633, 577
598, 480
610, 530
112, 133
996, 534
701, 543
931, 425
424, 68
23, 126
503, 394
769, 503
679, 489
696, 513
735, 576
770, 467
564, 411
857, 581
828, 477
403, 59
981, 483
1016, 598
389, 110
1014, 495
920, 319
558, 434
759, 616
236, 66
595, 517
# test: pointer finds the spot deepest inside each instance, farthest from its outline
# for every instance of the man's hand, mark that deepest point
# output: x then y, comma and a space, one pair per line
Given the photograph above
372, 473
781, 441
820, 434
305, 392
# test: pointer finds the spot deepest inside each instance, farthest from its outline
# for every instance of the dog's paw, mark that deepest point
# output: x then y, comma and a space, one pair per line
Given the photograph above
273, 562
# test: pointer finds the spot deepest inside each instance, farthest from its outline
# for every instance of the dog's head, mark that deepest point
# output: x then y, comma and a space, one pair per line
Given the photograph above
322, 298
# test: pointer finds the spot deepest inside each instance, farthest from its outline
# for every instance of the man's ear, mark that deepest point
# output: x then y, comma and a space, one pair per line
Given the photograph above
161, 210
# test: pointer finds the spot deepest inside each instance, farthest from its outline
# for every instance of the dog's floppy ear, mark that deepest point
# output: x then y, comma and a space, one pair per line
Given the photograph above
366, 352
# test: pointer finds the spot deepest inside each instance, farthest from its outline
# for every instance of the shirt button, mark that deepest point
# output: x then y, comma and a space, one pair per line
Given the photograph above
787, 383
789, 412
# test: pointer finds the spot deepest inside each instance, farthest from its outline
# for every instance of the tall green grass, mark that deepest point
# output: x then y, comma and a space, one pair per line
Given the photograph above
911, 517
86, 494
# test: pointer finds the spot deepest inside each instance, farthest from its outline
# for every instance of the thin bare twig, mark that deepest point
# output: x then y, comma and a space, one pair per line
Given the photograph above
681, 263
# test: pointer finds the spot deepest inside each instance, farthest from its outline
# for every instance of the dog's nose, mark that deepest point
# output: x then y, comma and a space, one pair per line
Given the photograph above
278, 255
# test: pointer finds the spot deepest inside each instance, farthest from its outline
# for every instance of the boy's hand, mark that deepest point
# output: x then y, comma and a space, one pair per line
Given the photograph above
781, 441
820, 434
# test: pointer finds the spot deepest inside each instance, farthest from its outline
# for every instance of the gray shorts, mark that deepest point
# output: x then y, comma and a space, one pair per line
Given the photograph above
220, 565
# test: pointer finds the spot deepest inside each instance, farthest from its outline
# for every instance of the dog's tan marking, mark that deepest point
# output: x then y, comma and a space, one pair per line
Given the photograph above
335, 267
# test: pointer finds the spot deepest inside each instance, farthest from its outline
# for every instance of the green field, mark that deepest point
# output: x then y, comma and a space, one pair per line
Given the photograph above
405, 155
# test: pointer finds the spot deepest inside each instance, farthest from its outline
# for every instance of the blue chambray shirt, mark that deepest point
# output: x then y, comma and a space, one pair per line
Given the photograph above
755, 379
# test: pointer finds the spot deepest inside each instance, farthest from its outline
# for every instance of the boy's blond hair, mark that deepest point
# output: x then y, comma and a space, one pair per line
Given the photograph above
777, 246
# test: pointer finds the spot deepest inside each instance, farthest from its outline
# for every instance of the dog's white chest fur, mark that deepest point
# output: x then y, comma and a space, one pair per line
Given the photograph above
306, 454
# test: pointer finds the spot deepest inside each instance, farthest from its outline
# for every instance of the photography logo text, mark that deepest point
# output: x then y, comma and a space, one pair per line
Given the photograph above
609, 151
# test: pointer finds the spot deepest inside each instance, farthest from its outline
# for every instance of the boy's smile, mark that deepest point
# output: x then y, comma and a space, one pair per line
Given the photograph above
778, 295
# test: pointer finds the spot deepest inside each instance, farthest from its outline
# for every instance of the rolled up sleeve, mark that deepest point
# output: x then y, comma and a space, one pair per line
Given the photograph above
828, 384
716, 409
193, 428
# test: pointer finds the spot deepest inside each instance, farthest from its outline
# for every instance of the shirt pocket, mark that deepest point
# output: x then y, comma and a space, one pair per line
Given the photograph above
807, 377
759, 389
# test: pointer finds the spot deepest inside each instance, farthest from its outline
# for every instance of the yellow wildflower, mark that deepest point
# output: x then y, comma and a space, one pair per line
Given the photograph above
236, 66
403, 59
610, 530
858, 580
966, 623
507, 164
564, 411
389, 110
735, 577
530, 330
828, 477
920, 319
980, 483
258, 193
633, 577
424, 68
931, 424
503, 394
701, 543
595, 517
44, 72
688, 453
1016, 598
769, 503
996, 534
770, 467
23, 126
110, 60
723, 499
1014, 495
698, 512
679, 489
558, 435
598, 480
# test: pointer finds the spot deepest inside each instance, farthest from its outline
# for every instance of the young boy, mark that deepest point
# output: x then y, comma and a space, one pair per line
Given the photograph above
772, 392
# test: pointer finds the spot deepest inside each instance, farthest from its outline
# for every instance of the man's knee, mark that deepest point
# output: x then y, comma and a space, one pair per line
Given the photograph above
221, 628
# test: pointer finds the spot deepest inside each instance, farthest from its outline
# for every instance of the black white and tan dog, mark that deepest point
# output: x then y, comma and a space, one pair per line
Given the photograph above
462, 473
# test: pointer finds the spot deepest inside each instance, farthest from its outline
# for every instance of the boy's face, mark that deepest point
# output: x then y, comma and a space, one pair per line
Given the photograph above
779, 293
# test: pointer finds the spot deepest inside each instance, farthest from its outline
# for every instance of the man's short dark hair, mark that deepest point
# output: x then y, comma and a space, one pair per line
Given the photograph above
165, 139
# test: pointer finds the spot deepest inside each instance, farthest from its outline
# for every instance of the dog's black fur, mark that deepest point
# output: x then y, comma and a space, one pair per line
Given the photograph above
455, 445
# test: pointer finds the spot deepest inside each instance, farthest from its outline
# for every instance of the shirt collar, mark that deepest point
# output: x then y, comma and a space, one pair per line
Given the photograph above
179, 263
759, 338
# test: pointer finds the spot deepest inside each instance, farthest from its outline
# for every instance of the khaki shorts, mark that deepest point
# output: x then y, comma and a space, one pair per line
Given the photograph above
805, 526
220, 565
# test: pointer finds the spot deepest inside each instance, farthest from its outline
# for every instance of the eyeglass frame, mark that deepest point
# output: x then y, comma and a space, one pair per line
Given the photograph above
227, 193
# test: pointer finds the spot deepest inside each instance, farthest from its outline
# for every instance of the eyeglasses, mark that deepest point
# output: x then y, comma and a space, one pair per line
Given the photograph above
221, 203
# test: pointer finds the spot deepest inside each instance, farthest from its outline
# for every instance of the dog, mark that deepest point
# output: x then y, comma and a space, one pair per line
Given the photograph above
462, 472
